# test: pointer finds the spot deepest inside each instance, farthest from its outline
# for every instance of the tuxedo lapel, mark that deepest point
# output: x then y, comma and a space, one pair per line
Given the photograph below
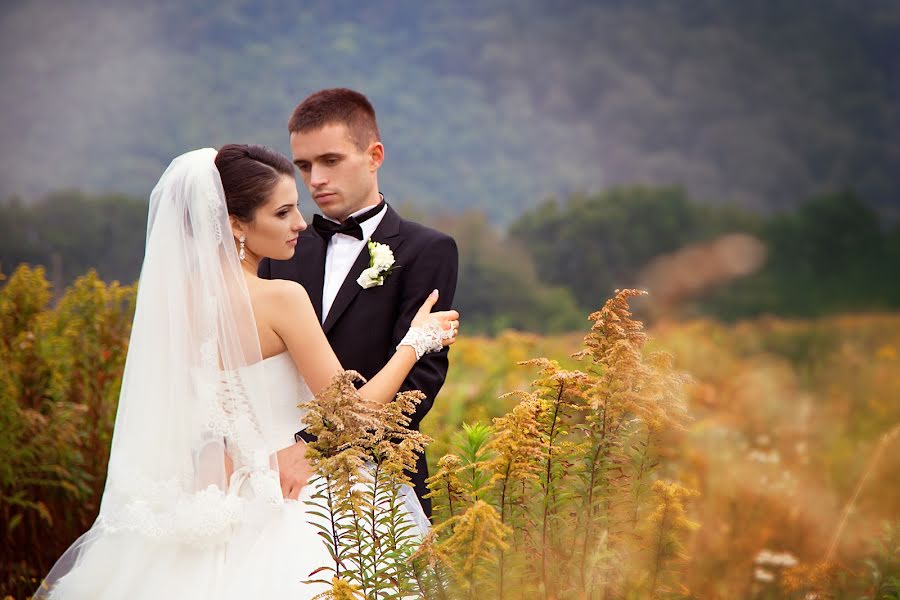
387, 232
311, 255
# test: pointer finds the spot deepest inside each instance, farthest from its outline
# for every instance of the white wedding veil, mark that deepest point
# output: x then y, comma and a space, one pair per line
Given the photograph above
192, 393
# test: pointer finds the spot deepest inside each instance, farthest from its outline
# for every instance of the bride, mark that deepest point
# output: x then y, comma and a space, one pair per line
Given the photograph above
217, 364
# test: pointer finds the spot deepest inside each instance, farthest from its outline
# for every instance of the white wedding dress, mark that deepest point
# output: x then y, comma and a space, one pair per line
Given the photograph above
269, 555
286, 548
173, 521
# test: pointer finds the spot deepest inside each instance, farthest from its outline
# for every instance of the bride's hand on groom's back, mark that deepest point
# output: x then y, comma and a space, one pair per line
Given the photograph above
446, 320
293, 469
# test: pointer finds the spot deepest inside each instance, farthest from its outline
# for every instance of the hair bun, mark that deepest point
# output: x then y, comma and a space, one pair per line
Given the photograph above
249, 173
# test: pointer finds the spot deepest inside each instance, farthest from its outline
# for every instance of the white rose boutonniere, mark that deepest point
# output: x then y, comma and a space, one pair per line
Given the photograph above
381, 263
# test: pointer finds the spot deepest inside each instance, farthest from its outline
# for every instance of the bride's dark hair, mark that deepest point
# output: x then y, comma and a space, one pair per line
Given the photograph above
249, 173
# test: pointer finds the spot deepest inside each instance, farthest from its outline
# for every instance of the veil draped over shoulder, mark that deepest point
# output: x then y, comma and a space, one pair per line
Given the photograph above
192, 392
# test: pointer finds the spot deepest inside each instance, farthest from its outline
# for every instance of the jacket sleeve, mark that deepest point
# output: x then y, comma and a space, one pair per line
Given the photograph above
435, 267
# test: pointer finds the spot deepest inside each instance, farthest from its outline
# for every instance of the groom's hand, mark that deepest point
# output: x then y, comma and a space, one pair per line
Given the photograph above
293, 469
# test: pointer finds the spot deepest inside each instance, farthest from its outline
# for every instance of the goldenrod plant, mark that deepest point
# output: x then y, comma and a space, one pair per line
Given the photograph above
60, 372
553, 497
361, 455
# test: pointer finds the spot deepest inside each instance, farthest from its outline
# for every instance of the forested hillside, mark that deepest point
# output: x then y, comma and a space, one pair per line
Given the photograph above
559, 260
490, 105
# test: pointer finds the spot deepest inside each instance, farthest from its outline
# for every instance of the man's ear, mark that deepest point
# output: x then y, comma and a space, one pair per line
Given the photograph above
376, 155
237, 228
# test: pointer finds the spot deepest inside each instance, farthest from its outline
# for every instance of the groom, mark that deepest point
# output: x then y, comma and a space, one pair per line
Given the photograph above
336, 146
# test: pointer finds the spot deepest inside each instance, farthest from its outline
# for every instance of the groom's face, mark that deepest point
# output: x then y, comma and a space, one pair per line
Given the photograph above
340, 176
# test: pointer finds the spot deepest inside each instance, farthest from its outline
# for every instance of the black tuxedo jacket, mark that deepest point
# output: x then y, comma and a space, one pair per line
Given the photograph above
364, 326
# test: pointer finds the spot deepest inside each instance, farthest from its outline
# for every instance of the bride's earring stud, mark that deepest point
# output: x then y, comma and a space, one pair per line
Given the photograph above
241, 254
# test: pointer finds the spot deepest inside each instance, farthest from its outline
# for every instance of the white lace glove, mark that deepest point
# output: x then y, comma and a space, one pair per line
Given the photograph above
425, 339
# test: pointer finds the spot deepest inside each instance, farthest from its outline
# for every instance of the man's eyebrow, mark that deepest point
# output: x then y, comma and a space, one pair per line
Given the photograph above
332, 154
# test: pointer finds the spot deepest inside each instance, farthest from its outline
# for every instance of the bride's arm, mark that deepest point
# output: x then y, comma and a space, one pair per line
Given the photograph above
299, 328
301, 332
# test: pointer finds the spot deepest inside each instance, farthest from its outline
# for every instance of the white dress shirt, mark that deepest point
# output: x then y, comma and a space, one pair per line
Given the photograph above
341, 253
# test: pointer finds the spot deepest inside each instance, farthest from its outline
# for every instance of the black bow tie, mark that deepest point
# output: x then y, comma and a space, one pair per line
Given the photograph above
351, 226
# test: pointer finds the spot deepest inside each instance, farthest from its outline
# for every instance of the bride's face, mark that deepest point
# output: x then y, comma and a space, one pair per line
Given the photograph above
276, 224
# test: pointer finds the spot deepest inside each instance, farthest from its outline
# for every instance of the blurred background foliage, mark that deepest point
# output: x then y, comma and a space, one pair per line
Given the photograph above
786, 420
563, 257
59, 389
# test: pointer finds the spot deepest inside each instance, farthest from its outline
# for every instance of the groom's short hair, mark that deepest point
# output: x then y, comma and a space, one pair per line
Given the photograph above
337, 105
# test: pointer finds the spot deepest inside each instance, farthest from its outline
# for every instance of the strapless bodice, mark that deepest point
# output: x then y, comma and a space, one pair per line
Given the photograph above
287, 389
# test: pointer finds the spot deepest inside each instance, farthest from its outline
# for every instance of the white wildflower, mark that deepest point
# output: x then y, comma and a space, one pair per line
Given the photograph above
775, 559
771, 457
785, 559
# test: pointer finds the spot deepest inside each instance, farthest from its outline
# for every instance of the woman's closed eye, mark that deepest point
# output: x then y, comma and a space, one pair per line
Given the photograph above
286, 210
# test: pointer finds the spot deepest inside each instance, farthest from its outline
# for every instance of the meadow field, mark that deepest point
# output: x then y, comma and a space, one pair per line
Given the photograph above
758, 459
791, 440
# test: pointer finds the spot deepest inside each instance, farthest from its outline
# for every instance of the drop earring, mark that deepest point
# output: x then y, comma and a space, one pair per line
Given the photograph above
241, 254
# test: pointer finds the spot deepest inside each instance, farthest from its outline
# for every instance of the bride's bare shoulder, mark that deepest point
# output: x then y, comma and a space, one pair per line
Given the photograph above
281, 292
281, 288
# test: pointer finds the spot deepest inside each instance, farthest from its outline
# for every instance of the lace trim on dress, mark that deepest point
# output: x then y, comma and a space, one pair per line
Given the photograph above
201, 518
145, 505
